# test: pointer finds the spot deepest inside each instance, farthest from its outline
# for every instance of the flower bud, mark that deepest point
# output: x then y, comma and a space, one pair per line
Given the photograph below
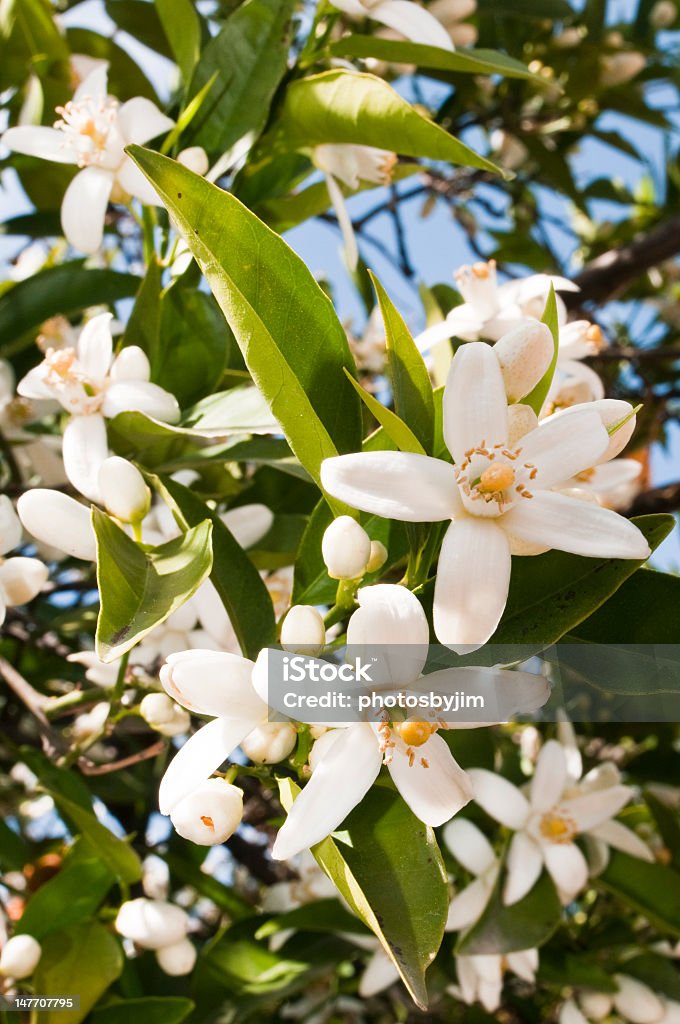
177, 959
87, 727
123, 491
521, 420
619, 68
346, 549
209, 814
378, 556
303, 630
58, 520
152, 924
195, 159
22, 579
663, 14
270, 742
20, 956
525, 353
163, 715
636, 1002
10, 526
595, 1005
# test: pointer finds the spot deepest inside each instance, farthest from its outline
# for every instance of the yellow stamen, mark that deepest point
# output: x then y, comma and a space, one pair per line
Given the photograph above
558, 828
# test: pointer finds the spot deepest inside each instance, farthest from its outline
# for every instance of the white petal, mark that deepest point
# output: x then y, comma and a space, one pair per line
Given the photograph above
610, 411
524, 864
10, 526
131, 363
582, 528
36, 140
636, 1002
340, 781
613, 833
467, 906
140, 120
344, 222
199, 758
396, 485
561, 448
213, 615
499, 798
378, 975
390, 615
248, 523
135, 183
473, 577
469, 846
83, 208
213, 683
475, 404
570, 1014
567, 867
594, 808
95, 347
141, 396
523, 963
95, 85
58, 520
22, 579
85, 448
33, 384
411, 21
434, 786
550, 777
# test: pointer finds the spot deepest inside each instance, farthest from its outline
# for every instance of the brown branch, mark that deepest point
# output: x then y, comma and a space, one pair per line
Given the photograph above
35, 702
609, 275
659, 499
89, 768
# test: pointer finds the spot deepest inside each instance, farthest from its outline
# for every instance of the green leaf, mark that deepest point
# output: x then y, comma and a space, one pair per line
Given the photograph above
537, 397
291, 339
321, 916
182, 27
658, 972
115, 853
387, 866
140, 19
525, 924
149, 1010
644, 610
471, 62
349, 107
651, 889
551, 594
140, 588
666, 818
411, 386
82, 960
236, 579
249, 55
14, 851
64, 290
144, 325
393, 425
74, 894
126, 79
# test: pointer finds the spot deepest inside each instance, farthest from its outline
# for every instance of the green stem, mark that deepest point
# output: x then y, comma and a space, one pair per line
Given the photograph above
117, 691
344, 602
75, 699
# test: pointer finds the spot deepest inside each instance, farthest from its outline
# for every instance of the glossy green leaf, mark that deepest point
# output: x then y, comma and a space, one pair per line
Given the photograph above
349, 107
249, 55
14, 851
140, 19
290, 336
411, 385
551, 594
471, 62
642, 611
667, 821
182, 27
115, 853
651, 889
536, 398
82, 960
525, 924
149, 1010
139, 588
236, 579
321, 916
74, 894
63, 290
387, 866
393, 425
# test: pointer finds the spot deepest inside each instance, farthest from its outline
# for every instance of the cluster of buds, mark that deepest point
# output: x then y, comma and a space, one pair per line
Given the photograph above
348, 552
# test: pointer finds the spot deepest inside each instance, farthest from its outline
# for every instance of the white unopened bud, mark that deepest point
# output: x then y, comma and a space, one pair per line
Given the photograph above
123, 490
303, 631
20, 956
87, 727
378, 556
525, 353
195, 159
521, 420
270, 742
636, 1002
210, 814
22, 579
595, 1005
663, 14
619, 68
152, 924
163, 715
611, 411
58, 520
177, 959
346, 549
10, 526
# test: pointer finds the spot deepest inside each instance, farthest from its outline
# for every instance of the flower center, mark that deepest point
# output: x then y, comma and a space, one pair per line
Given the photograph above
496, 478
595, 337
557, 827
87, 125
414, 734
60, 362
